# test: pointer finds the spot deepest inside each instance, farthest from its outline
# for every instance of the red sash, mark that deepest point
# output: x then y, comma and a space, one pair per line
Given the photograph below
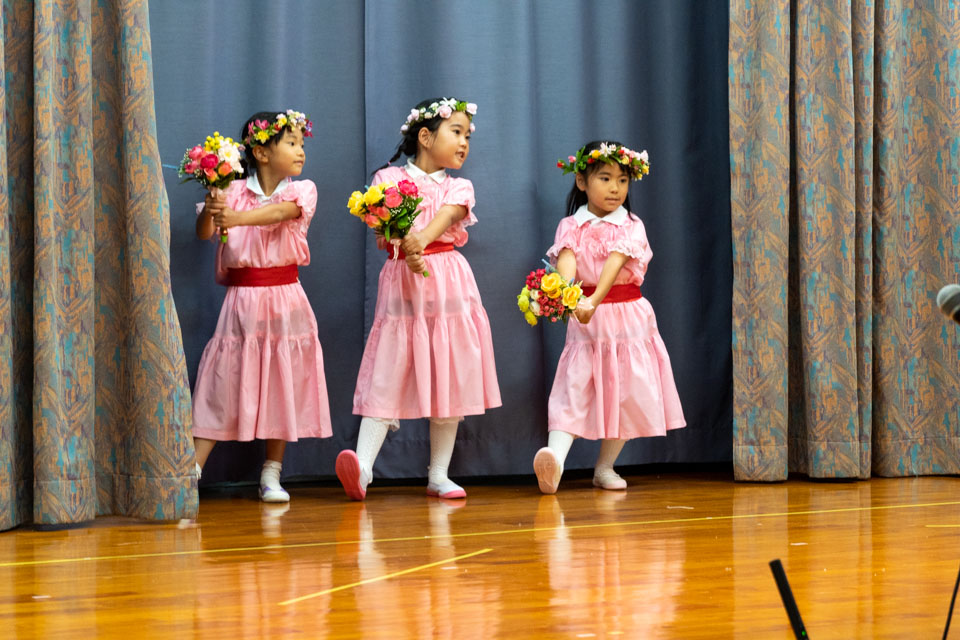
266, 277
433, 247
617, 293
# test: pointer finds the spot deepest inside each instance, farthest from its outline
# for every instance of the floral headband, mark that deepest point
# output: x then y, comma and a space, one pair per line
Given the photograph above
259, 131
637, 164
444, 108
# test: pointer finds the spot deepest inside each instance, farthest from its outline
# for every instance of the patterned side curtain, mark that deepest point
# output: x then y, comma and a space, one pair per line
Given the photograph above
845, 150
94, 398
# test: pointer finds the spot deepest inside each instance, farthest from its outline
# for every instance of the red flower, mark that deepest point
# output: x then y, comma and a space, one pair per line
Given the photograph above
209, 161
560, 164
589, 160
407, 188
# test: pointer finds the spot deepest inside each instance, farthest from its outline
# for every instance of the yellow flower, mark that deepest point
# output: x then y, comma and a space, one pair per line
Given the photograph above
571, 296
523, 300
262, 135
356, 203
595, 153
551, 284
282, 121
646, 169
531, 319
373, 195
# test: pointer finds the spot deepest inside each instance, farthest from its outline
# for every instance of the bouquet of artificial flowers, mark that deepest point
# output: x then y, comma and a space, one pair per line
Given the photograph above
389, 209
214, 164
547, 295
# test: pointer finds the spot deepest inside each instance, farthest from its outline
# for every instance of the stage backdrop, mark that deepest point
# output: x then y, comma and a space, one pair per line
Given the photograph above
94, 400
547, 76
845, 131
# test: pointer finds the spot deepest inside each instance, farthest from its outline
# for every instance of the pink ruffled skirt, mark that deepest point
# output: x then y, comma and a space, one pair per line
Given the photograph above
614, 378
429, 353
261, 375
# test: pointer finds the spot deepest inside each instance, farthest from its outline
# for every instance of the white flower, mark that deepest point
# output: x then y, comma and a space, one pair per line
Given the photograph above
404, 129
535, 307
471, 108
643, 156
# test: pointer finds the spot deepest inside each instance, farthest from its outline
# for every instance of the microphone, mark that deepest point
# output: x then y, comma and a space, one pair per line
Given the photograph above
948, 299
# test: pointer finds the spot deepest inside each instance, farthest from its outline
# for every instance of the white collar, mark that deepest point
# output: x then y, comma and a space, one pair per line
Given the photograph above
417, 172
616, 217
254, 185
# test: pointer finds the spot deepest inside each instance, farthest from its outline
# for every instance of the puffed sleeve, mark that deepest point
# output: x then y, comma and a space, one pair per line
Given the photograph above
632, 241
461, 193
304, 194
565, 238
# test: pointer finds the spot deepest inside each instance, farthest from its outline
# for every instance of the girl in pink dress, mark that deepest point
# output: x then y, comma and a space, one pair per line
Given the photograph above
261, 375
614, 380
429, 353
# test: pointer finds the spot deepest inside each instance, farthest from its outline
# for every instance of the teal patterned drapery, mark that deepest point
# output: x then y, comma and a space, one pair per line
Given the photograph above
844, 136
94, 398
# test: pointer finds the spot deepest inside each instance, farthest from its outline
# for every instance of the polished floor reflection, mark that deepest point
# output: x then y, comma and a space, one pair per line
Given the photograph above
675, 556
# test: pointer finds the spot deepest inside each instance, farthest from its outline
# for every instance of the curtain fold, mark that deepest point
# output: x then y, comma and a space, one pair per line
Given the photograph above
844, 131
94, 401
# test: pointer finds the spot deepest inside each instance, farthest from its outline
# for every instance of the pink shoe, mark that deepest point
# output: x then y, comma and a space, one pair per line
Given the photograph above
351, 475
548, 470
448, 490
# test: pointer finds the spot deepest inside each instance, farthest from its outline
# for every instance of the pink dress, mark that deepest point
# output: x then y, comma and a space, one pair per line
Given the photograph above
429, 353
614, 378
261, 374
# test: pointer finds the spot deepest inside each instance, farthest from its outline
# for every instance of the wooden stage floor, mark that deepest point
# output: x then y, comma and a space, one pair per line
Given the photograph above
677, 555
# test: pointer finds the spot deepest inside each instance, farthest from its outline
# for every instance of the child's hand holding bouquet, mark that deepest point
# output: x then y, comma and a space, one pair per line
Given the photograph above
547, 295
214, 164
389, 209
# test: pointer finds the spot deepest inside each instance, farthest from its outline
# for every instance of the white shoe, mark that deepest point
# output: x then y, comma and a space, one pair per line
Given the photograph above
548, 470
199, 471
270, 489
608, 479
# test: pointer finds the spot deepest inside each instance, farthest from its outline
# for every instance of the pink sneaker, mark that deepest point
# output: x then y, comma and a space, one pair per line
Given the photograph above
351, 476
447, 490
548, 470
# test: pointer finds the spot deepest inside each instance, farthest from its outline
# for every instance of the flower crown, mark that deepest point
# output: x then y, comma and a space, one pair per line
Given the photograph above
637, 164
445, 107
259, 131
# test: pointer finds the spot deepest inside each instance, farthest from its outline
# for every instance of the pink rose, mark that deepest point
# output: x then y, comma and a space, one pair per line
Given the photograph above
392, 198
372, 221
407, 188
572, 158
381, 212
191, 166
211, 174
472, 108
444, 111
209, 161
195, 153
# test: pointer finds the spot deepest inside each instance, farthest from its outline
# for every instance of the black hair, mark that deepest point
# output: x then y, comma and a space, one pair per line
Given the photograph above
408, 144
577, 198
248, 161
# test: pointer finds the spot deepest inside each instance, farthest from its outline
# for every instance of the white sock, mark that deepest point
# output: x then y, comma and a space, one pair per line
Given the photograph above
270, 475
609, 450
443, 435
372, 433
559, 442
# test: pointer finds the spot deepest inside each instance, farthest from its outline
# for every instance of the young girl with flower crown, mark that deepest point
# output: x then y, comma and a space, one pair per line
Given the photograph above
261, 375
429, 353
614, 380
